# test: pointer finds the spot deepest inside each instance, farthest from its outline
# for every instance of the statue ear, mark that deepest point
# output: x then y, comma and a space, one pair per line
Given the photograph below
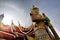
44, 14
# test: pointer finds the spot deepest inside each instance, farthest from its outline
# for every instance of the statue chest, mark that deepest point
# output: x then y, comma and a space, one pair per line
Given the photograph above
41, 25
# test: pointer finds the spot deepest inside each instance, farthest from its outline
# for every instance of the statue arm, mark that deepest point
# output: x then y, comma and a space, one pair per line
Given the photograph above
51, 27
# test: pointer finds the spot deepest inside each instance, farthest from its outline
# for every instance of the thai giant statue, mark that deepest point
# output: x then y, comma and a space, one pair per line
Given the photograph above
42, 26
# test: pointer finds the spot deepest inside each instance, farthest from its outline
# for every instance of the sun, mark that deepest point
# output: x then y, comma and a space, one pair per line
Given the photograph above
7, 20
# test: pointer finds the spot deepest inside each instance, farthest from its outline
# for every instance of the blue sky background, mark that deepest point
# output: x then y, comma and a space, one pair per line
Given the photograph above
20, 9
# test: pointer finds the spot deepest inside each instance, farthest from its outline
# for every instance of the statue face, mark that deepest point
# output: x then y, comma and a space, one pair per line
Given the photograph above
35, 16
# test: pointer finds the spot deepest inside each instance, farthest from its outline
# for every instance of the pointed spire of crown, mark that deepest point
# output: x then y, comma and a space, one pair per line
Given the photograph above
33, 6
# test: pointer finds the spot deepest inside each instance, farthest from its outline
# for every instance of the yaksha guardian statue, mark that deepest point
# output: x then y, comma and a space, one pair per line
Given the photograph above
42, 26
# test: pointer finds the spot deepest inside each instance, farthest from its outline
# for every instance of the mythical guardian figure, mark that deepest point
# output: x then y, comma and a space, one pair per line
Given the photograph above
42, 23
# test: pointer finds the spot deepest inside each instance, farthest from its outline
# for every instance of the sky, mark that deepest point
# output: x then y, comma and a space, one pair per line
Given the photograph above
19, 10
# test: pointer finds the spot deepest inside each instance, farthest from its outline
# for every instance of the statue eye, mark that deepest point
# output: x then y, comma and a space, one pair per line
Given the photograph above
31, 14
